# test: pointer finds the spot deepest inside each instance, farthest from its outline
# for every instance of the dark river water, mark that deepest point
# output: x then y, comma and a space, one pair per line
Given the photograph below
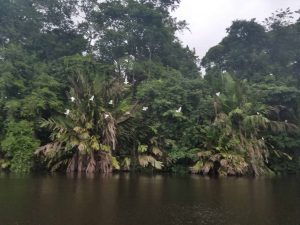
143, 200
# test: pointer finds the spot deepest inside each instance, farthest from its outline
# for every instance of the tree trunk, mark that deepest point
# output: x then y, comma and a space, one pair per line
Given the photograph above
105, 163
73, 163
91, 167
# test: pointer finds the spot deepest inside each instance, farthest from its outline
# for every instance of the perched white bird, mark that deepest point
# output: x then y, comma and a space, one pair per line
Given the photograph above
131, 57
262, 138
218, 93
92, 98
179, 109
5, 97
292, 63
111, 102
145, 108
72, 99
257, 113
126, 81
67, 112
224, 71
106, 116
127, 113
271, 74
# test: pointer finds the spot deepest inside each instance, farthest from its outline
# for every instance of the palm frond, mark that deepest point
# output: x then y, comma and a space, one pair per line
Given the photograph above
146, 160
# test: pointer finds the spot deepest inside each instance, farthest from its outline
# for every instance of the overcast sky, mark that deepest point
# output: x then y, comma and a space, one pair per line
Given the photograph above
208, 19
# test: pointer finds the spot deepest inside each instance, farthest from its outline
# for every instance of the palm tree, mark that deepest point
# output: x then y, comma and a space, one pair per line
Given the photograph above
98, 124
234, 143
86, 138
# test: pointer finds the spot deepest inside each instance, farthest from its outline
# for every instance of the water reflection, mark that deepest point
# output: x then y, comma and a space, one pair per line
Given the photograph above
132, 199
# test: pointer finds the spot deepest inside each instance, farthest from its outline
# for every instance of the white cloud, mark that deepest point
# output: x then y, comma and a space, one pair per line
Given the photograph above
208, 19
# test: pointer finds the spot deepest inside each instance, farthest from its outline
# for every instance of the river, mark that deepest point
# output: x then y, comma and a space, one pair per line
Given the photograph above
130, 199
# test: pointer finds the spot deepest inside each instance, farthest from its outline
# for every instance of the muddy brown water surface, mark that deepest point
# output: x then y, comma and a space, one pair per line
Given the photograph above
131, 199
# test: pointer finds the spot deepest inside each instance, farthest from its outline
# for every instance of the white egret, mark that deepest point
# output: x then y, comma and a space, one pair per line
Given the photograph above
67, 112
131, 57
179, 109
111, 102
72, 99
126, 81
145, 108
218, 94
92, 98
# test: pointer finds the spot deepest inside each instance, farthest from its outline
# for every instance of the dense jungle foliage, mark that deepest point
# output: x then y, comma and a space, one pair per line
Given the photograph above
102, 86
